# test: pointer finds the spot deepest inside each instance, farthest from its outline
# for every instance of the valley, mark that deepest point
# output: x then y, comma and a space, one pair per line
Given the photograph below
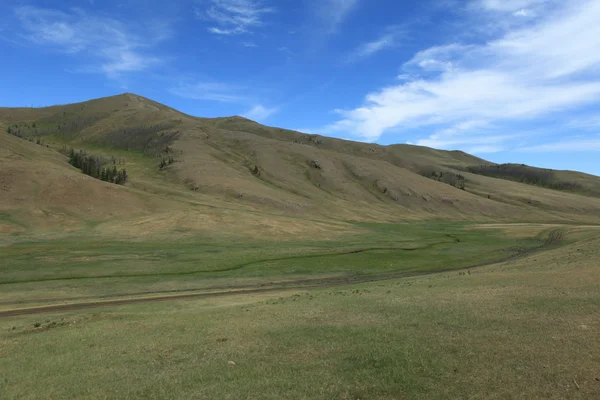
235, 260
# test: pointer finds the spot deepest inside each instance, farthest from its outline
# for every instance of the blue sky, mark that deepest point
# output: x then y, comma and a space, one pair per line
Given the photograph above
507, 80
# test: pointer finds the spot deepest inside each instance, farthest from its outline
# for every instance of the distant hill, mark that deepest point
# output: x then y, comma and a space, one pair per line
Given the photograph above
569, 181
181, 165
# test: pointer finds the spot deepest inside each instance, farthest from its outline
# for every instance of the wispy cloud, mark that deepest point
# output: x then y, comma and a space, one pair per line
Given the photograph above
112, 46
438, 58
510, 6
233, 17
468, 136
459, 135
585, 123
523, 13
484, 149
551, 65
388, 39
576, 145
333, 12
211, 91
260, 113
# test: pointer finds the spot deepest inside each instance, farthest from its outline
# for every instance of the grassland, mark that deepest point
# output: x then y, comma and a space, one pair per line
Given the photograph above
523, 328
234, 163
78, 268
270, 264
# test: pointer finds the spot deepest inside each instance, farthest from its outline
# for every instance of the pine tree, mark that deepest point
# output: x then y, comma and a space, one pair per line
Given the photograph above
93, 170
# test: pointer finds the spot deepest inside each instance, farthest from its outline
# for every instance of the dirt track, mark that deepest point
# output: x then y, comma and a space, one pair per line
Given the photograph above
452, 238
262, 288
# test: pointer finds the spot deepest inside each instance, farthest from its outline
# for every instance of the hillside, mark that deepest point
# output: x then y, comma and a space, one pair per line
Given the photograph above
234, 175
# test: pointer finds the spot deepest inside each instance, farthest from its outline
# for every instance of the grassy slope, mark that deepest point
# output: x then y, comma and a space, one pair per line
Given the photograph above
355, 181
567, 181
455, 335
39, 189
521, 329
43, 196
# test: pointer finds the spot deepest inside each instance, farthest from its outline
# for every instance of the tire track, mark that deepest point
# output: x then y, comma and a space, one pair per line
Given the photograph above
238, 267
315, 283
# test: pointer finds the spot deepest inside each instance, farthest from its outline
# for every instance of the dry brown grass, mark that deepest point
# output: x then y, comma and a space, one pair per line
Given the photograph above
215, 186
43, 192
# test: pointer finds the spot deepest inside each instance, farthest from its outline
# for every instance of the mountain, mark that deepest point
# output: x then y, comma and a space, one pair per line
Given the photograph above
237, 177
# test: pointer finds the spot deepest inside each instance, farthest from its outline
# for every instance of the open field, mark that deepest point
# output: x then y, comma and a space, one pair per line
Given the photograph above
235, 175
523, 328
70, 269
321, 268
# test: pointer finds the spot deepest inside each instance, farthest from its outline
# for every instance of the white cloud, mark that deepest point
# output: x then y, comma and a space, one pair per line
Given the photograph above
234, 17
577, 145
387, 40
523, 13
211, 91
485, 149
548, 67
510, 5
442, 142
586, 123
114, 43
122, 60
333, 12
260, 113
309, 131
438, 58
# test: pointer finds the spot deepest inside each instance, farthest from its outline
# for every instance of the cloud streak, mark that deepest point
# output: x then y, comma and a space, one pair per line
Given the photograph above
114, 44
550, 66
234, 17
210, 91
385, 41
260, 113
333, 12
575, 145
510, 6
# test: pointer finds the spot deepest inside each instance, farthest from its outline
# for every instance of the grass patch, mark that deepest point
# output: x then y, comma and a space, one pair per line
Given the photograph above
72, 268
483, 335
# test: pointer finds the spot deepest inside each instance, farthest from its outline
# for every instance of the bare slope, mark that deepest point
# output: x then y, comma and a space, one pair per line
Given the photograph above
238, 165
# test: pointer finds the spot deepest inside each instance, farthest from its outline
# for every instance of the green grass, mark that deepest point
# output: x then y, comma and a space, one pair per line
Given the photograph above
437, 324
84, 267
523, 329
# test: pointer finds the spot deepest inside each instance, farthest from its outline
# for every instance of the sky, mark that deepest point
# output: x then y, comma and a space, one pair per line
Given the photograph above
506, 80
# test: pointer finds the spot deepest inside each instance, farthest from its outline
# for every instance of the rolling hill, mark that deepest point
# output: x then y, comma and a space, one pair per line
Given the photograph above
237, 177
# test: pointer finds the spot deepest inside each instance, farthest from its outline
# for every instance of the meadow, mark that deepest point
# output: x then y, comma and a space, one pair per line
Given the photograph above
523, 327
75, 268
270, 264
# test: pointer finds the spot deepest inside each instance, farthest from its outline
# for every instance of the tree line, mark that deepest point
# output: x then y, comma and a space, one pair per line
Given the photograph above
94, 166
449, 178
524, 174
97, 167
